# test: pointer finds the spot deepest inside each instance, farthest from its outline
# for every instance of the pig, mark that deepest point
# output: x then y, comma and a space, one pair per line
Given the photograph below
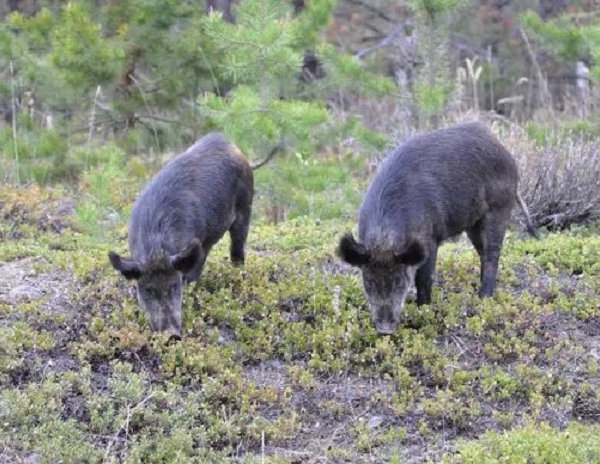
430, 189
180, 215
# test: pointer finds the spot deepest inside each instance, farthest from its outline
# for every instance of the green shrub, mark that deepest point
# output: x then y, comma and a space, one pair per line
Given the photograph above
533, 444
104, 184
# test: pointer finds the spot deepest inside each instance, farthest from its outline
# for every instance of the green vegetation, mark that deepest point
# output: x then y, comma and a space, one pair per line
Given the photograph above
576, 444
433, 86
569, 36
280, 358
154, 77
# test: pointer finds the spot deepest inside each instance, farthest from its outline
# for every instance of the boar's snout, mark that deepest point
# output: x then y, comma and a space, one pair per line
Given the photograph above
175, 337
162, 305
166, 326
386, 328
386, 289
173, 332
384, 319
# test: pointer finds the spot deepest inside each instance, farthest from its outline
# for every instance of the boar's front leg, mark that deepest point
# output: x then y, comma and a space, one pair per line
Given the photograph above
424, 277
193, 275
238, 233
476, 235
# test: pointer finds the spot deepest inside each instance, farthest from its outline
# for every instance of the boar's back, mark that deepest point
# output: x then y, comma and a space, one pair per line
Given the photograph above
194, 195
446, 180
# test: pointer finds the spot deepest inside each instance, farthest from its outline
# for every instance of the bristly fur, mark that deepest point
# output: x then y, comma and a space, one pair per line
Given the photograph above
382, 244
432, 187
187, 258
196, 195
181, 213
158, 262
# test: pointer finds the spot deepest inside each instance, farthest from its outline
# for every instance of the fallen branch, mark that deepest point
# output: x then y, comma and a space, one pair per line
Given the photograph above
125, 424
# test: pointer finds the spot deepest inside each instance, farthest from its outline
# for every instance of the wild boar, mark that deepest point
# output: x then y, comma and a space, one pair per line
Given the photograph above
432, 188
179, 216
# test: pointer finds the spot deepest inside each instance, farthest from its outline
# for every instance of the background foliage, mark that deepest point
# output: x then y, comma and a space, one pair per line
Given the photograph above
335, 80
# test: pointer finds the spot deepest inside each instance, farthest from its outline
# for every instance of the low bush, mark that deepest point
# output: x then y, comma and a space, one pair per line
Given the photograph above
560, 174
533, 444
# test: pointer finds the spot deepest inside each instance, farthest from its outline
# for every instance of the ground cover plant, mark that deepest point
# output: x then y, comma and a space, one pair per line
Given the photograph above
279, 362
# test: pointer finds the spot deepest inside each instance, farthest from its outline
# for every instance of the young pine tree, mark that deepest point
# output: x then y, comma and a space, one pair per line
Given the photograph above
261, 55
433, 84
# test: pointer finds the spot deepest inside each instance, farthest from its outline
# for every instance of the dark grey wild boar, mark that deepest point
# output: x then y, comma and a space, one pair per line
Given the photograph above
180, 214
433, 187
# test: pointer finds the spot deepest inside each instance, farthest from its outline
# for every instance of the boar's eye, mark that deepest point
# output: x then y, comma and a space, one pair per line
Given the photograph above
369, 284
149, 291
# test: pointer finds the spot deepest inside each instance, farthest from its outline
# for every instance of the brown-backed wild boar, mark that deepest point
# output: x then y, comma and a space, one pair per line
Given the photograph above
431, 188
181, 213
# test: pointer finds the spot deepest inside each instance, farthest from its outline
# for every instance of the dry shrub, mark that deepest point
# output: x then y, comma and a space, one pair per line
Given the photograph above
560, 179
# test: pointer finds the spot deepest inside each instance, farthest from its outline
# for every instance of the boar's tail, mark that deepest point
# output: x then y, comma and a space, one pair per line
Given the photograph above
530, 228
276, 149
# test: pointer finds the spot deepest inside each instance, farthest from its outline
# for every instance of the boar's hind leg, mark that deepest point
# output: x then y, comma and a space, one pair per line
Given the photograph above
238, 232
476, 235
494, 227
424, 277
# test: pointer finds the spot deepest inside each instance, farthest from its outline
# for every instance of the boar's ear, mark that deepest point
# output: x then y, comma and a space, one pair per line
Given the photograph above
129, 267
186, 259
352, 252
412, 254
